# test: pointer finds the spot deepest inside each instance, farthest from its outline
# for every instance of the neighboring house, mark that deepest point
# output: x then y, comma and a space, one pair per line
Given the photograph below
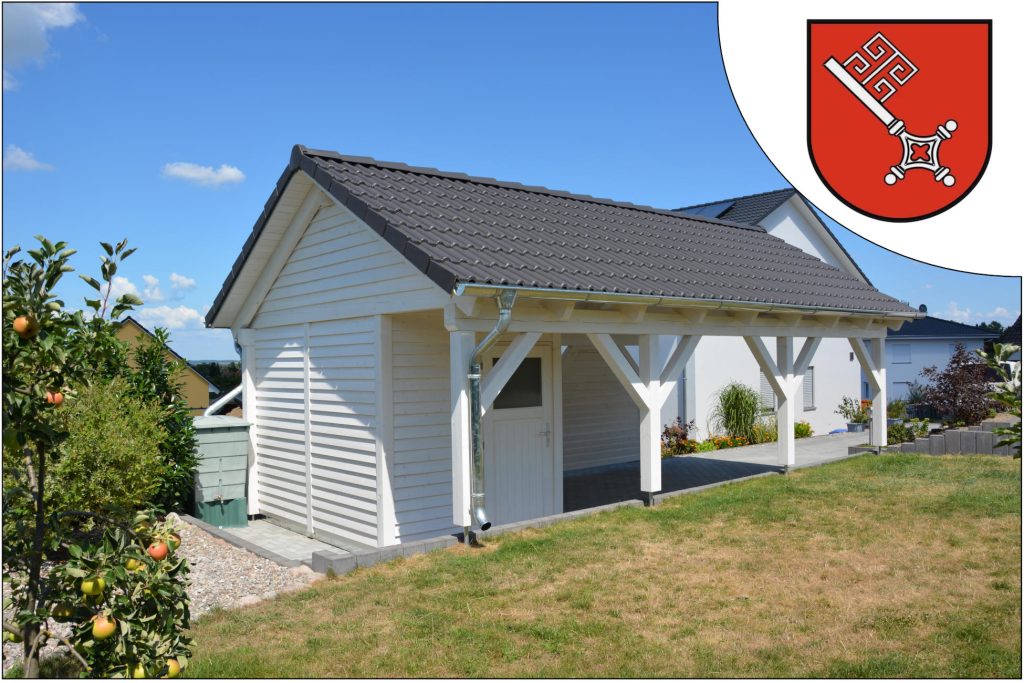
835, 372
1011, 335
360, 297
924, 343
196, 389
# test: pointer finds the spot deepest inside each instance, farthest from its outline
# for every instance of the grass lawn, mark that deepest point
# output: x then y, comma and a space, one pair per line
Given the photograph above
876, 566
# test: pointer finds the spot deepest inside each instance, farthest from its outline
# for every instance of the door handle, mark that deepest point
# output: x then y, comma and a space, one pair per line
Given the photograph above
546, 434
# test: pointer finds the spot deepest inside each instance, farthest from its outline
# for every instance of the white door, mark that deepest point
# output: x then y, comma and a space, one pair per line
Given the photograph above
519, 460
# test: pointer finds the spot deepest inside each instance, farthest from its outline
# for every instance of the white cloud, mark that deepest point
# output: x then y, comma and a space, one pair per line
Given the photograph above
171, 317
26, 32
182, 281
203, 175
151, 293
969, 316
17, 159
121, 285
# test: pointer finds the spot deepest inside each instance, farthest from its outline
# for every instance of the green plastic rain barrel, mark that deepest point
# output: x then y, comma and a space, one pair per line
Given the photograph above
223, 446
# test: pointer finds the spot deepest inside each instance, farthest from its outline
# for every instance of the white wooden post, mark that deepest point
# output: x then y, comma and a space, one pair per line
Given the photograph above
386, 520
650, 416
462, 345
879, 408
783, 374
873, 363
785, 414
649, 384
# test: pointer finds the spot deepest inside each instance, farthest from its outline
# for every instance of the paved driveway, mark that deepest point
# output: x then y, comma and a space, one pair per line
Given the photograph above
613, 483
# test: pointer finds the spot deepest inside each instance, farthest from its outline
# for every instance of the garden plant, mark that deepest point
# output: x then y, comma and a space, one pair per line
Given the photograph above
113, 576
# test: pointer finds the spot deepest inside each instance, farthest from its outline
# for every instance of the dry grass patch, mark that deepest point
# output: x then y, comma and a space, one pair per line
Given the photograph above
877, 566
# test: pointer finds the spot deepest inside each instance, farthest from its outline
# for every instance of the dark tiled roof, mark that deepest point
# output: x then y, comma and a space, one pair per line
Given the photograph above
937, 327
751, 209
754, 208
461, 229
1011, 335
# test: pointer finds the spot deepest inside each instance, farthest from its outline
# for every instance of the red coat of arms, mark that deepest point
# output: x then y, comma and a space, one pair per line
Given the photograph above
899, 116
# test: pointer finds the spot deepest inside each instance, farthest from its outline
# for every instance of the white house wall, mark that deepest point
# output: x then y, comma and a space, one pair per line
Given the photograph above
720, 360
906, 358
315, 428
601, 423
421, 468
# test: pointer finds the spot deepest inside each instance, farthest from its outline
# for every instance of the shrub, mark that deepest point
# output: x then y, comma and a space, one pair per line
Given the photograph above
898, 433
155, 379
675, 439
802, 430
959, 392
705, 446
736, 410
852, 410
897, 408
111, 457
1007, 392
765, 430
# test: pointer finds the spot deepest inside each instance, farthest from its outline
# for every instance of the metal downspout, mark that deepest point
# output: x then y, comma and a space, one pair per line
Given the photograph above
506, 299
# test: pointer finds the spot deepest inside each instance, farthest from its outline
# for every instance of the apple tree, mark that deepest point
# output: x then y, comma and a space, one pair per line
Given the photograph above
112, 575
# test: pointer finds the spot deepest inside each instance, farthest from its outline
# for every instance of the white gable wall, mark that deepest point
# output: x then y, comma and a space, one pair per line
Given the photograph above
788, 224
342, 268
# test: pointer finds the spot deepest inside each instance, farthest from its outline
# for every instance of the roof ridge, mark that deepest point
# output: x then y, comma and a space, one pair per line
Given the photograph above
736, 199
511, 185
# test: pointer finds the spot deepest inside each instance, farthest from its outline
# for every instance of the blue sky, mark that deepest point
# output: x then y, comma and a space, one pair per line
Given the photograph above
170, 124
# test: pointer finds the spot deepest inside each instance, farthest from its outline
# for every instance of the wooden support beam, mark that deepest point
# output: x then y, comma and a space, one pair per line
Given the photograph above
807, 351
785, 412
650, 417
790, 318
470, 306
767, 365
626, 354
560, 311
693, 316
495, 380
621, 368
632, 313
744, 317
676, 364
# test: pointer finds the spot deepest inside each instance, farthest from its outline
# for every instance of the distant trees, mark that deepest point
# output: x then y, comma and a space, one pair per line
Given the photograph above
994, 327
226, 376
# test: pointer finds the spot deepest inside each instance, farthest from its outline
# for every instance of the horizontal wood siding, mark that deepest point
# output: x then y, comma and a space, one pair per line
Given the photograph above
342, 268
343, 459
422, 465
601, 423
281, 420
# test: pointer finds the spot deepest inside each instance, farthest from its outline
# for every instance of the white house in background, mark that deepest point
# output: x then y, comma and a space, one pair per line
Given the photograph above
426, 352
923, 343
835, 372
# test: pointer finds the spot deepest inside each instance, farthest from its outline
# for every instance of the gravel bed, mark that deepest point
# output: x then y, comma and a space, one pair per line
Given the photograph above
222, 576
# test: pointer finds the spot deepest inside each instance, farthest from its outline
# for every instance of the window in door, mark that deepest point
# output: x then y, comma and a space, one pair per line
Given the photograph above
523, 389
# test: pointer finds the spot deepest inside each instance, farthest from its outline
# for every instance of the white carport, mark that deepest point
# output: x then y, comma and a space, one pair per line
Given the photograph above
610, 323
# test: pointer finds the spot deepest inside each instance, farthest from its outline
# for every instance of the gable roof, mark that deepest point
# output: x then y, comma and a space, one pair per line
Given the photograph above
460, 229
174, 353
750, 209
754, 208
938, 327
